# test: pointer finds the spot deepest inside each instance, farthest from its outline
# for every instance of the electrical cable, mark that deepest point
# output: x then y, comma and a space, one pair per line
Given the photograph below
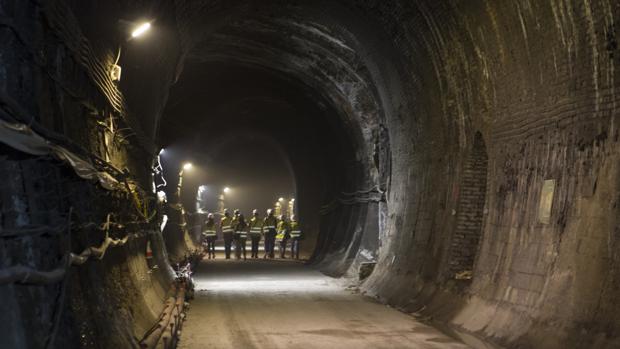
60, 302
99, 251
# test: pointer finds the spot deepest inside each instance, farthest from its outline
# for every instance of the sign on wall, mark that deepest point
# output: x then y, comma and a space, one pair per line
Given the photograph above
546, 201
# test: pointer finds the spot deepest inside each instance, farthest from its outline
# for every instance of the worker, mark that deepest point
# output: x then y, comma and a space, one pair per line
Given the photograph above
235, 218
256, 230
269, 229
241, 236
209, 235
233, 224
296, 237
283, 234
227, 232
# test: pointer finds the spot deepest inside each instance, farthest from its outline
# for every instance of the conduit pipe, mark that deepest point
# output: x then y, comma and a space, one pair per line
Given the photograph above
23, 275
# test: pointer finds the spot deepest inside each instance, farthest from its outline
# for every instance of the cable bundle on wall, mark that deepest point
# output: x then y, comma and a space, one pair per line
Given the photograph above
354, 198
61, 20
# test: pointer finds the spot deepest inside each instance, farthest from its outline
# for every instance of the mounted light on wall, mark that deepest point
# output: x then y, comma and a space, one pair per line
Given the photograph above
138, 31
141, 29
186, 167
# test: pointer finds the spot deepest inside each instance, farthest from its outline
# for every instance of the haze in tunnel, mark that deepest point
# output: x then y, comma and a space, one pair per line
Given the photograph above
249, 128
253, 169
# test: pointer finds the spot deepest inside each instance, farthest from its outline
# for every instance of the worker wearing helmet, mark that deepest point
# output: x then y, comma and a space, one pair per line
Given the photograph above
256, 230
283, 234
233, 224
269, 229
296, 237
209, 235
227, 232
241, 235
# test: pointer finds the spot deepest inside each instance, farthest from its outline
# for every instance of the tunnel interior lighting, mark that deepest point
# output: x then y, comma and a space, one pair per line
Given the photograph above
281, 199
187, 166
141, 29
226, 190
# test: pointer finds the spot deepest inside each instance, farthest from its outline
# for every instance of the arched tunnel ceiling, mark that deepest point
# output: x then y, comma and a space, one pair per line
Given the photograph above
216, 103
213, 102
428, 128
298, 40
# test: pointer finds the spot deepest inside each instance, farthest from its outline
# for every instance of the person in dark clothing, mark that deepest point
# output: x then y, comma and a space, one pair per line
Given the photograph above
296, 237
241, 236
269, 229
209, 235
256, 231
227, 232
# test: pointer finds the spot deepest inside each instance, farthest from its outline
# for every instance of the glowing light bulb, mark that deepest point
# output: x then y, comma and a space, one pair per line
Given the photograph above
141, 29
226, 190
188, 166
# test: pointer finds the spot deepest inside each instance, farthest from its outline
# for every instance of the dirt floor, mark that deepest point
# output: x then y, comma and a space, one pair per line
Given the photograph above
285, 304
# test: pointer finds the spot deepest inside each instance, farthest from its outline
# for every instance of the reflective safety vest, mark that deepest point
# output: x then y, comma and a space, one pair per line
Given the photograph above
270, 222
226, 224
241, 230
283, 228
209, 229
256, 226
295, 230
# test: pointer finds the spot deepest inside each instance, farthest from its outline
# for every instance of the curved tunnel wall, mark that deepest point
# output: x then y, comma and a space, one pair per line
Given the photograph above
414, 82
232, 100
537, 81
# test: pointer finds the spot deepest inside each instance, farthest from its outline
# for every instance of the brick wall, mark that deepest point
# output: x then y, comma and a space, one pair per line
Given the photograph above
470, 210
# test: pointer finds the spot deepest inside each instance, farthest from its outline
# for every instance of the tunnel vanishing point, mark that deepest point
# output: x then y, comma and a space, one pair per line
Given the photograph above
468, 150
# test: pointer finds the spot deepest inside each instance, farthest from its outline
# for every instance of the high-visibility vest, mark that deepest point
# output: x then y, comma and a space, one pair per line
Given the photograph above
241, 233
295, 230
209, 230
270, 222
283, 228
226, 224
256, 226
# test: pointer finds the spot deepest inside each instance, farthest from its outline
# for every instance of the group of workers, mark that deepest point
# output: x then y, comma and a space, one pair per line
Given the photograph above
236, 229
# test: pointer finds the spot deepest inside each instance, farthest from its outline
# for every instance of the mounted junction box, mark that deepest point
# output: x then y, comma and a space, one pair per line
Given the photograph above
115, 72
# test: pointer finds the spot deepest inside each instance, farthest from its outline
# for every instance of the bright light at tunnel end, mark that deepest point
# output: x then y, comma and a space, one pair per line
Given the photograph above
141, 29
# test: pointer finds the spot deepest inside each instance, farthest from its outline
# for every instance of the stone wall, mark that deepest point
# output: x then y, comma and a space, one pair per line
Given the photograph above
54, 61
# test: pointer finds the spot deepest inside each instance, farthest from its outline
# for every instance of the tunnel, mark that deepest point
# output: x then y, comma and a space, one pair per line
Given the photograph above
454, 167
